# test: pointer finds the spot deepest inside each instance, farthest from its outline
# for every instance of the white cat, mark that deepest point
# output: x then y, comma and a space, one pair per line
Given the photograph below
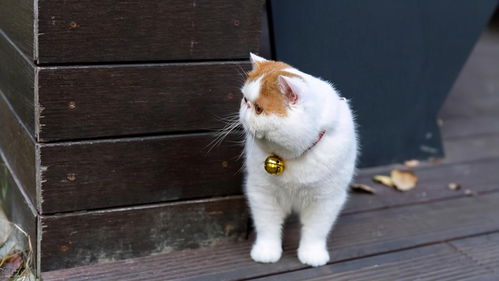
301, 120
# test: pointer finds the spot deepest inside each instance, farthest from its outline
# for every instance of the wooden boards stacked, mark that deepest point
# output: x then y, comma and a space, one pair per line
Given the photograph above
106, 110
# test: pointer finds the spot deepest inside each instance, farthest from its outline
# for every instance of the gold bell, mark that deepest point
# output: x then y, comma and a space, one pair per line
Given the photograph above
274, 165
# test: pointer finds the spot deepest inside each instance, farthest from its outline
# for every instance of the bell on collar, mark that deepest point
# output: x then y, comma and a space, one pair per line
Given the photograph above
274, 165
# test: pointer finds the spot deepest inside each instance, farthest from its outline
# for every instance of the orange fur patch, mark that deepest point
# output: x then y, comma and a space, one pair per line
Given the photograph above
270, 97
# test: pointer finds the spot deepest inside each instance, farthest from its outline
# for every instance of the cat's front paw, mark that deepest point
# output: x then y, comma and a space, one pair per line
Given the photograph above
313, 255
266, 251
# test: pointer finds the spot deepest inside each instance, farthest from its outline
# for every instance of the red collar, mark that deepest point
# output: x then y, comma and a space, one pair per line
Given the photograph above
321, 134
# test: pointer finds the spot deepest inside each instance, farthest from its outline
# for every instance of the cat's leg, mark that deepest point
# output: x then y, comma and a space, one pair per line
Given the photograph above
317, 219
268, 217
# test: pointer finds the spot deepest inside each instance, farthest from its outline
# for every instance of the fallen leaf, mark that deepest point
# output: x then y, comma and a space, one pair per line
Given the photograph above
411, 163
435, 160
454, 186
363, 188
384, 180
469, 192
10, 265
404, 180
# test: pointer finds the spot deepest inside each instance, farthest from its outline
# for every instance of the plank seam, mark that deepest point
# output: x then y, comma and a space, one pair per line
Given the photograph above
418, 202
142, 206
469, 257
138, 63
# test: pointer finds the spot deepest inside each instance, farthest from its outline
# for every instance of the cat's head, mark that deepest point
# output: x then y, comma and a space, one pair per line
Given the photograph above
278, 107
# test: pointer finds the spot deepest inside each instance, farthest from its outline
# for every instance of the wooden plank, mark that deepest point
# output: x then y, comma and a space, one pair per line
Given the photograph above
119, 100
17, 80
436, 262
90, 237
482, 249
18, 149
16, 206
355, 236
469, 127
475, 92
71, 31
478, 177
123, 172
103, 101
17, 21
470, 149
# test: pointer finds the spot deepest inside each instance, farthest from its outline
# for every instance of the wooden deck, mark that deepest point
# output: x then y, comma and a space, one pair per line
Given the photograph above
429, 233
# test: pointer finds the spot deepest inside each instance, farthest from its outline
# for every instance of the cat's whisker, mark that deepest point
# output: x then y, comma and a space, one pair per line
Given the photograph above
222, 134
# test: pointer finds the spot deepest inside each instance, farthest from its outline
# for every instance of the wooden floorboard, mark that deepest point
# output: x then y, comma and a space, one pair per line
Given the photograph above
475, 91
469, 149
478, 177
442, 261
356, 236
470, 127
484, 250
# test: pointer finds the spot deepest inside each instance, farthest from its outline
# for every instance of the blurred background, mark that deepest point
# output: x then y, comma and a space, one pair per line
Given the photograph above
397, 62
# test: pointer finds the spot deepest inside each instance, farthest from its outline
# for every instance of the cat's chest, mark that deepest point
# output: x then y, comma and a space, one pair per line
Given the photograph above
311, 167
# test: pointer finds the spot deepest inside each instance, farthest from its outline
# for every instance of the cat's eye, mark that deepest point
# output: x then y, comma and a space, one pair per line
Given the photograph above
245, 100
258, 109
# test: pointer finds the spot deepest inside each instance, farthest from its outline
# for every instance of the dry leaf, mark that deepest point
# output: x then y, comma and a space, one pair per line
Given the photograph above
411, 163
10, 265
404, 180
435, 160
362, 188
454, 186
469, 192
384, 180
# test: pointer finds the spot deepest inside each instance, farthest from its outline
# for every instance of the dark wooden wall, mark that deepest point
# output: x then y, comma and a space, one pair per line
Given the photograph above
146, 30
107, 111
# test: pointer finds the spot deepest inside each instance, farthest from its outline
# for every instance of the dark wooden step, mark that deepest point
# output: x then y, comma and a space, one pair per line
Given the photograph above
73, 176
355, 236
73, 32
80, 238
85, 102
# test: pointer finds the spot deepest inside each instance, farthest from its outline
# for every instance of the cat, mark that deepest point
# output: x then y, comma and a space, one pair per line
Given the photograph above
303, 121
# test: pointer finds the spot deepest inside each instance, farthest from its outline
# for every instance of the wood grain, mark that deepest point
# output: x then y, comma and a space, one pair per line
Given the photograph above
355, 236
17, 77
103, 101
86, 238
109, 173
17, 21
436, 262
18, 149
483, 249
88, 102
71, 31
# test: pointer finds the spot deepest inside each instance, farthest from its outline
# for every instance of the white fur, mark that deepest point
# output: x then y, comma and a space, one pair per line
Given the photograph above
314, 183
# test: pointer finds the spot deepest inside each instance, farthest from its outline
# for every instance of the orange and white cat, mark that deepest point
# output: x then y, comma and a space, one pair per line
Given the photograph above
302, 120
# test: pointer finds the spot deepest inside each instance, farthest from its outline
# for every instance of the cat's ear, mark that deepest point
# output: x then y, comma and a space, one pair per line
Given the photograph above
255, 59
291, 88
